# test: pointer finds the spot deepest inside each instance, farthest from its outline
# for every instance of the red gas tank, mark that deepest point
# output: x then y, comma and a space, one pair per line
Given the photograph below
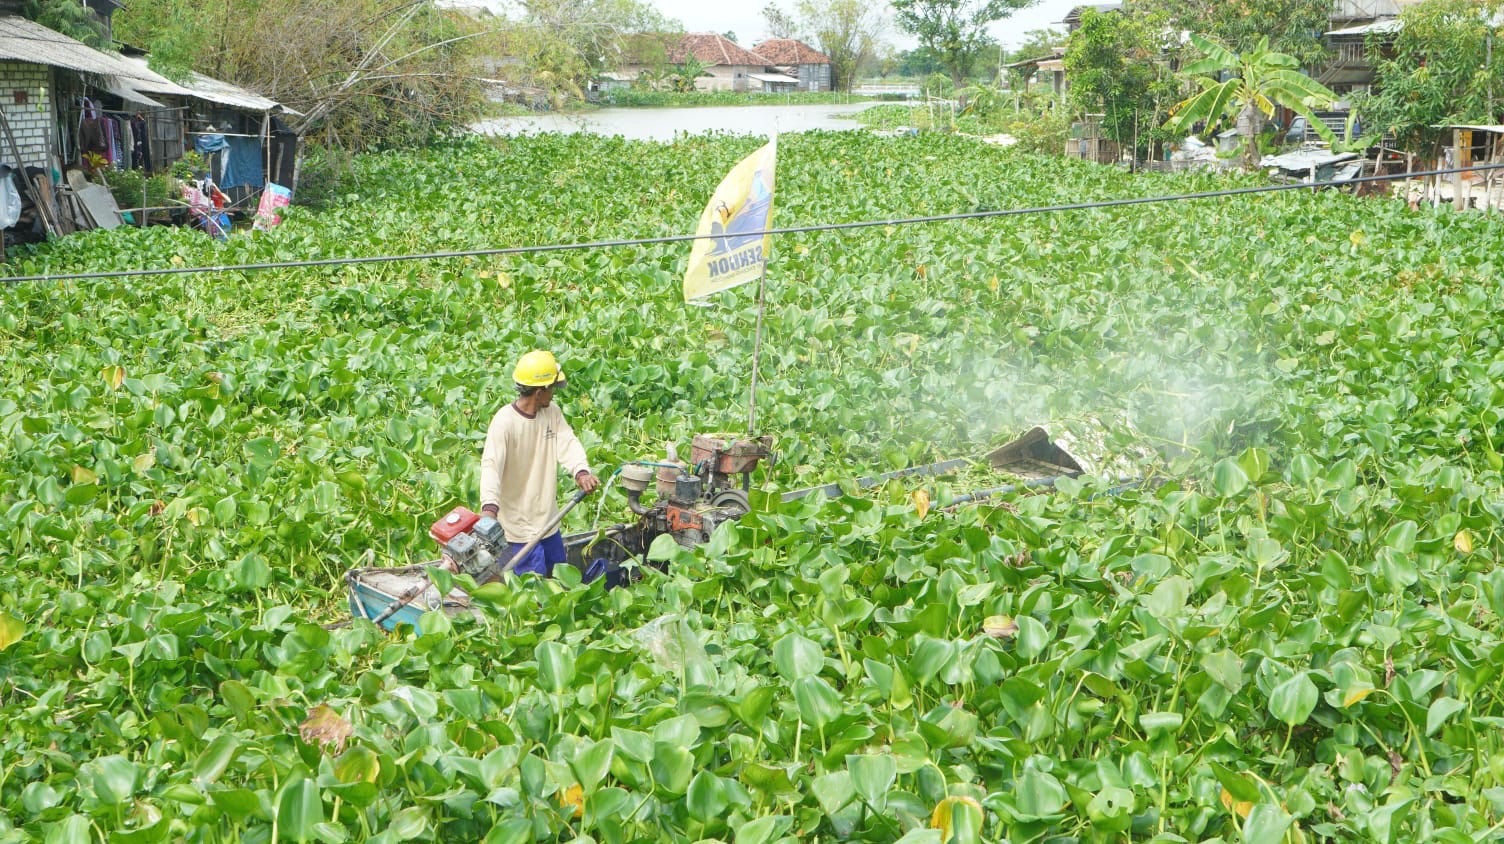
455, 522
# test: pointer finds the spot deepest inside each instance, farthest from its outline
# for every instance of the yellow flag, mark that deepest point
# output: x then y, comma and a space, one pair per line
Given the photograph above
726, 255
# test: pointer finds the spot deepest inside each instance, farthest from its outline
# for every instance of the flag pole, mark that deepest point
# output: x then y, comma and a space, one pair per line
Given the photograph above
762, 281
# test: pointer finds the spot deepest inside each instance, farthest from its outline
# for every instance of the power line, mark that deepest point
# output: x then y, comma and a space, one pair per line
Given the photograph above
681, 238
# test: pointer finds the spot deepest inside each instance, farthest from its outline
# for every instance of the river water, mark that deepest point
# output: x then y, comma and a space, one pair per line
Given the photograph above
663, 124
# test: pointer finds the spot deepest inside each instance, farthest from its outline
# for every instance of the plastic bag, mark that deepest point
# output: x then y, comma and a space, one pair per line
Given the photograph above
10, 198
273, 197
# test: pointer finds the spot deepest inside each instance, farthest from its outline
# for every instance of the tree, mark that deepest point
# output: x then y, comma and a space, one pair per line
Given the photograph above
1438, 71
918, 63
848, 31
780, 24
955, 30
71, 18
1118, 68
683, 76
1246, 87
1293, 27
370, 73
1037, 44
560, 45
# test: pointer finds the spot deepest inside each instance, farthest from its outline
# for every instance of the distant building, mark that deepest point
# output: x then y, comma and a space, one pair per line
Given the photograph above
810, 68
1072, 19
728, 67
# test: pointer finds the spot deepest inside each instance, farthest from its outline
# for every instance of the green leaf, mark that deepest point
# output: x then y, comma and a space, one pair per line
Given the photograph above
1238, 785
818, 703
555, 666
1039, 795
591, 764
1293, 700
834, 791
73, 829
1228, 478
408, 823
1440, 710
238, 803
1255, 463
763, 830
1169, 597
1161, 723
299, 809
116, 779
262, 452
215, 759
706, 799
38, 797
1266, 824
796, 657
357, 764
872, 775
672, 767
1225, 668
1111, 809
11, 630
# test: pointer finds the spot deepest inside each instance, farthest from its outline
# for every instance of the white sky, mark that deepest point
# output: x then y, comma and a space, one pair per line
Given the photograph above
745, 19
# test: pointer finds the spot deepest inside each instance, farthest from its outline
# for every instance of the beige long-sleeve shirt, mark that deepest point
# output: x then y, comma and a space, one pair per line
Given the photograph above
518, 468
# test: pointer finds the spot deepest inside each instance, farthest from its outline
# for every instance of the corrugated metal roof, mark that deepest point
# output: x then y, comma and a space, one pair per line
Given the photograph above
28, 41
126, 92
773, 77
203, 87
1381, 26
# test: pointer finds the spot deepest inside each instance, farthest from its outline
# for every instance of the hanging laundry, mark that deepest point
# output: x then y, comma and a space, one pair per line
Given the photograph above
142, 144
111, 139
127, 147
90, 131
210, 141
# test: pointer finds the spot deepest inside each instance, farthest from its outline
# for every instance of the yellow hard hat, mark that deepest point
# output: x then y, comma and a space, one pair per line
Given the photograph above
537, 369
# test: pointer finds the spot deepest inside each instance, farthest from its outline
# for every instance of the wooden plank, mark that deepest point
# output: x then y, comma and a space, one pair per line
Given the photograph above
100, 204
26, 183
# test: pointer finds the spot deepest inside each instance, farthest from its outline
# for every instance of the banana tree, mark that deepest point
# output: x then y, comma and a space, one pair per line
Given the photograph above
1256, 81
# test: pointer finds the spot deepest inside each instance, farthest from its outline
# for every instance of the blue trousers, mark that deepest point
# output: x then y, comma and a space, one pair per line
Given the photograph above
542, 559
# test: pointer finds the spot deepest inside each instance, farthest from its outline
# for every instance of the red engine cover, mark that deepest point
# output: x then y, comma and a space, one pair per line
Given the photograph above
455, 522
683, 518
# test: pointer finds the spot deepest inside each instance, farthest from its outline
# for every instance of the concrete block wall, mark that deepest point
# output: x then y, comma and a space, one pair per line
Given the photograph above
30, 121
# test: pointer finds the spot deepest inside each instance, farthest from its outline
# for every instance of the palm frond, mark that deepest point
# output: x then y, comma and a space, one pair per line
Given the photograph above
1209, 105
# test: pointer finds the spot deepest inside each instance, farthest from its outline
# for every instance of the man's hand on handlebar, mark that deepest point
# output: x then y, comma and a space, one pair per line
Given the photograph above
587, 482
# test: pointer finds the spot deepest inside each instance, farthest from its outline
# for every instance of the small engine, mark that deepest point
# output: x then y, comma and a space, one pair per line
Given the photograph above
472, 544
695, 498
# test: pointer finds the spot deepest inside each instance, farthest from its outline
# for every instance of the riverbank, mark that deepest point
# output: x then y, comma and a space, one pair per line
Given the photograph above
664, 124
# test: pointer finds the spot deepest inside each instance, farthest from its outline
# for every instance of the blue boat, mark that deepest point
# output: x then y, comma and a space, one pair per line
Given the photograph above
374, 590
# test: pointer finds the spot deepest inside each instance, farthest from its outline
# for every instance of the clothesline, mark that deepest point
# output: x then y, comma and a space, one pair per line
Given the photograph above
79, 107
225, 134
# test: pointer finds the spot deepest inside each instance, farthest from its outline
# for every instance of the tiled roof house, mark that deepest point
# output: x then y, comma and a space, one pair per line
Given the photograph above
799, 60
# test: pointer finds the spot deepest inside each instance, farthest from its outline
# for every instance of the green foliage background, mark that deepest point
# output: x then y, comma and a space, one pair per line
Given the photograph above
1296, 634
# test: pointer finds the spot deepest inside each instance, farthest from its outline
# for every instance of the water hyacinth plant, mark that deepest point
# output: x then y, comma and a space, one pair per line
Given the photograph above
1292, 635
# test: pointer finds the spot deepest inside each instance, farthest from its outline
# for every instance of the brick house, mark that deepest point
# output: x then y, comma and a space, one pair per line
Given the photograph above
49, 82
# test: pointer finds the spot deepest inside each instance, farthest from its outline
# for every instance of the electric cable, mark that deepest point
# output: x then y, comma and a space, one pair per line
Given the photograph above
681, 238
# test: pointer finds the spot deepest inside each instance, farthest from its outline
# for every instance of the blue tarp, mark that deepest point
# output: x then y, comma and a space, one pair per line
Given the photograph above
243, 164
